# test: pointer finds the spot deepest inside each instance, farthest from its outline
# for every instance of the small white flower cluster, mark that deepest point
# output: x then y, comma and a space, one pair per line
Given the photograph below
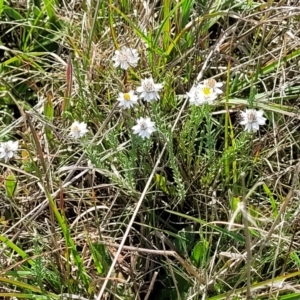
205, 93
201, 93
127, 100
8, 149
208, 93
149, 91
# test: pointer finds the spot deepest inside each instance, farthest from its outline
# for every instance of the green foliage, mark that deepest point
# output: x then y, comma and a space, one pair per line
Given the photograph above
185, 185
200, 254
10, 184
28, 38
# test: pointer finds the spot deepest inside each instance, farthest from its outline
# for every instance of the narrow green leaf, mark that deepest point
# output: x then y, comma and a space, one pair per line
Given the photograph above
49, 8
234, 202
98, 253
167, 25
294, 296
186, 7
69, 242
259, 286
23, 285
199, 253
161, 182
277, 63
1, 7
10, 185
14, 247
15, 295
48, 108
272, 200
10, 12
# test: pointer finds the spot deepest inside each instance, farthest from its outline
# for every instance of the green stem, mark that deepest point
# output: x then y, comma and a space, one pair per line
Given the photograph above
227, 167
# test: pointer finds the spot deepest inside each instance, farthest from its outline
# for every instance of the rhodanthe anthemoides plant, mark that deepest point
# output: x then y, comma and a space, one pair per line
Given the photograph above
252, 119
207, 92
78, 129
149, 90
8, 149
149, 131
125, 58
127, 100
144, 127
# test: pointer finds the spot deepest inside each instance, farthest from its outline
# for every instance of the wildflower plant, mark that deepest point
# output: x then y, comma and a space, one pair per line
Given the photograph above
8, 150
205, 93
252, 119
78, 129
127, 100
154, 164
144, 127
213, 84
149, 90
125, 58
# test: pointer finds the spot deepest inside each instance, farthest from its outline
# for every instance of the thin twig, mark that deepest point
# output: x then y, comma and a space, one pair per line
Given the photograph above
151, 285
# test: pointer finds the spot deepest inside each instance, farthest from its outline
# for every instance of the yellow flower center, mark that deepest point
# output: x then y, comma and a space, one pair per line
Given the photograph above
127, 97
206, 91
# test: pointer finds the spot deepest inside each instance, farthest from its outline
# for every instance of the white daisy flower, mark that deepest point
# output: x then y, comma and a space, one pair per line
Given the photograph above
8, 149
201, 94
252, 119
78, 130
214, 85
125, 58
127, 100
149, 90
144, 128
